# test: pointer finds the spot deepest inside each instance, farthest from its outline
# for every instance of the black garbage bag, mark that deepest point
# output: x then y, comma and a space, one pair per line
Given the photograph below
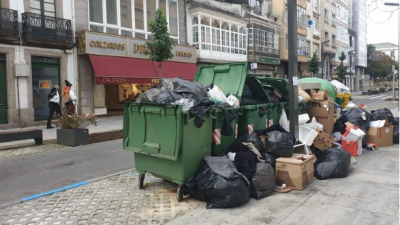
332, 163
339, 126
263, 182
218, 183
248, 98
254, 139
149, 95
279, 144
167, 96
396, 130
269, 159
381, 114
199, 110
270, 92
180, 86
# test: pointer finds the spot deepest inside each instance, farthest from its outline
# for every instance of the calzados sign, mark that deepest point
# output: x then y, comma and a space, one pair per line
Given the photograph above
106, 44
118, 80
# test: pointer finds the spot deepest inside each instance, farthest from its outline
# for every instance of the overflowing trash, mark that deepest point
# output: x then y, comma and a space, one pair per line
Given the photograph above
218, 183
263, 182
332, 163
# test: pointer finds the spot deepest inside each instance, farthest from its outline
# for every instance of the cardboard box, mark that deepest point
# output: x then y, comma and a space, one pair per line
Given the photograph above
295, 173
353, 133
380, 133
319, 96
324, 112
323, 141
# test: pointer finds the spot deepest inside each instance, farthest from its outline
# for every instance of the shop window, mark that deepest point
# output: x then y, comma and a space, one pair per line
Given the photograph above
126, 33
130, 92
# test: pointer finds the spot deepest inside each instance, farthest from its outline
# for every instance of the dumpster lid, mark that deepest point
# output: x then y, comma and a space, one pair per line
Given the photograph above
231, 78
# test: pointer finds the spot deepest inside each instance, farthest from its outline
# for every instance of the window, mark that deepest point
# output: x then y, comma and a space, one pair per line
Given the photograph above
111, 6
333, 41
333, 19
301, 45
126, 14
316, 6
42, 7
257, 7
173, 18
351, 41
326, 16
308, 49
96, 11
205, 33
326, 38
392, 54
130, 17
218, 35
301, 17
315, 48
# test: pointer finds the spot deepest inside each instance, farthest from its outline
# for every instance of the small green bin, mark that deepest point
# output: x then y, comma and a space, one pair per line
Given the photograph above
165, 141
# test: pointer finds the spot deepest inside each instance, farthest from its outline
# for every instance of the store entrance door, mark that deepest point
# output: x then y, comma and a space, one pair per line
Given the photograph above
3, 91
45, 74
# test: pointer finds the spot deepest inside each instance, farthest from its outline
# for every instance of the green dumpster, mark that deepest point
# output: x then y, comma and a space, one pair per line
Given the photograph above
165, 141
231, 78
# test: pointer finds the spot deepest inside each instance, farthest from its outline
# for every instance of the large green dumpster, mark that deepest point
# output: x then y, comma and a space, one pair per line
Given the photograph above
165, 141
231, 78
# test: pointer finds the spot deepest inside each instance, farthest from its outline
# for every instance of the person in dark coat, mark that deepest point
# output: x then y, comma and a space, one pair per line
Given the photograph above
54, 105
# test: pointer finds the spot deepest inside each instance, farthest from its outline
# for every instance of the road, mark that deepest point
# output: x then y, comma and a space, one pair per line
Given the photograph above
25, 176
372, 99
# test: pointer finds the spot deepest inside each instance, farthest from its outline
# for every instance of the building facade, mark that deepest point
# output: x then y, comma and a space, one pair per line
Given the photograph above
389, 49
36, 38
112, 64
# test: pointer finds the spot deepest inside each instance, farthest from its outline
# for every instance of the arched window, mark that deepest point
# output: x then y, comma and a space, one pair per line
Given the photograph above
225, 37
195, 30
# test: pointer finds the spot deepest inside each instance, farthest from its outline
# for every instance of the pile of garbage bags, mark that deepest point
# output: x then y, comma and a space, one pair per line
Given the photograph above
332, 163
381, 114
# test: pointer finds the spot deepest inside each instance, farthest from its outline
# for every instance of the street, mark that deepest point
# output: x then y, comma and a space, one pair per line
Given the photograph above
372, 99
33, 174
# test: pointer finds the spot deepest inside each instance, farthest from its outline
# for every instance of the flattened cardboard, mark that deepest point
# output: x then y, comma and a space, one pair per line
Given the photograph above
381, 136
295, 173
319, 96
323, 141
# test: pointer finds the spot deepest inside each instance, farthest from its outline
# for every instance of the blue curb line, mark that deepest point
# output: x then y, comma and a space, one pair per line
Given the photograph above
54, 191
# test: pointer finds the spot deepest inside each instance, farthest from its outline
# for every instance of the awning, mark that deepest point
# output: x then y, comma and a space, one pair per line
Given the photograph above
110, 69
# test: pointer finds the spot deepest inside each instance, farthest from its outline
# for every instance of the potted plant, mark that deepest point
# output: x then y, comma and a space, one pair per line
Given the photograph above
73, 130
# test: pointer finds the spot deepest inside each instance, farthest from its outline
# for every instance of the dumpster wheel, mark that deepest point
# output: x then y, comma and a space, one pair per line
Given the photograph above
141, 180
179, 194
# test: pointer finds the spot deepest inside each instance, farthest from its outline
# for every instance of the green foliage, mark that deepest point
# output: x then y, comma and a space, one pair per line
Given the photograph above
160, 48
379, 68
313, 66
341, 70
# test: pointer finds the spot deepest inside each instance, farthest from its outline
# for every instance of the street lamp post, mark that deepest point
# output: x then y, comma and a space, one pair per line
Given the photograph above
398, 58
351, 69
323, 58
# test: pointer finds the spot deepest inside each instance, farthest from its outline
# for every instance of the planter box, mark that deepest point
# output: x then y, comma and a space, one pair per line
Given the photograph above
74, 137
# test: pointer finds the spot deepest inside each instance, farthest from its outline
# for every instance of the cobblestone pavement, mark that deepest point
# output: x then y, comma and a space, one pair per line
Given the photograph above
114, 200
26, 149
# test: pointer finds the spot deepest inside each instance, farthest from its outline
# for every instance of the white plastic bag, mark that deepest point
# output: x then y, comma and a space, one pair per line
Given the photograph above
350, 105
283, 121
232, 101
341, 88
216, 94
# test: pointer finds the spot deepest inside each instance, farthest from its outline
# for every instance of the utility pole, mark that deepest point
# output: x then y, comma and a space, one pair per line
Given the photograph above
323, 59
398, 57
292, 76
393, 75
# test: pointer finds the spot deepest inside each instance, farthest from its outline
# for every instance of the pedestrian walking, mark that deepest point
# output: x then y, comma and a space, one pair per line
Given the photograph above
54, 105
68, 98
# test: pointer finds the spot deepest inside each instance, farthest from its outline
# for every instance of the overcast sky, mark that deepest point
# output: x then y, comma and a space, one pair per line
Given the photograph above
378, 32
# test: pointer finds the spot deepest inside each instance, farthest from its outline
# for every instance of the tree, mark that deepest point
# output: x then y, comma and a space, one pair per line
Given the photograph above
379, 65
160, 48
341, 70
313, 66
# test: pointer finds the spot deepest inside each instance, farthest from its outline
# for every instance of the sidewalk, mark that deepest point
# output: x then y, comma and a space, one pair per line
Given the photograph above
369, 195
103, 125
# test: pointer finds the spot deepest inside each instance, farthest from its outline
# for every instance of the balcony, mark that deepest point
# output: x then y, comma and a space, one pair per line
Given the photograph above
9, 26
47, 31
257, 10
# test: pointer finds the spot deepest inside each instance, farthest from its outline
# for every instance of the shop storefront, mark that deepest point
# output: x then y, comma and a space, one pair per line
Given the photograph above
120, 70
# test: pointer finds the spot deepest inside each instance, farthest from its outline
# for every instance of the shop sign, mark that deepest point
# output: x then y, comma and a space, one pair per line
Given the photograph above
122, 80
269, 60
112, 45
44, 84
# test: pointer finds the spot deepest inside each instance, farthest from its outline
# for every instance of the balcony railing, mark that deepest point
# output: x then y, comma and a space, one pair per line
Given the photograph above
257, 10
47, 31
8, 25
